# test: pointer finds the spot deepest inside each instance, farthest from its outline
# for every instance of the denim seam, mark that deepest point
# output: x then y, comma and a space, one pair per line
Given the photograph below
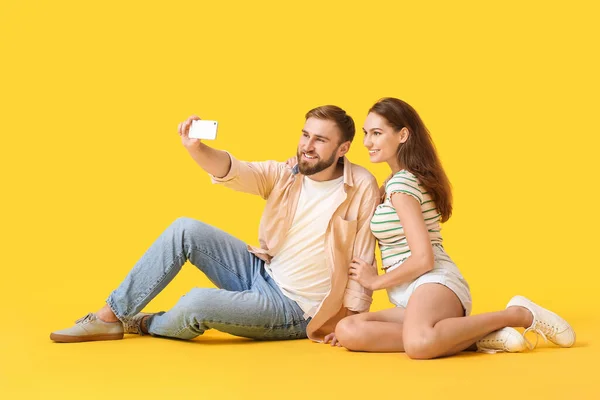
111, 304
144, 295
179, 256
221, 263
293, 324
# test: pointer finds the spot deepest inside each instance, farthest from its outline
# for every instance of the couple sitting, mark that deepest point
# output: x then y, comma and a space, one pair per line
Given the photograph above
314, 272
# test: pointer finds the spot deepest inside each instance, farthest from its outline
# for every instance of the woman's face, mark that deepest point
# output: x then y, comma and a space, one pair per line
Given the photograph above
381, 139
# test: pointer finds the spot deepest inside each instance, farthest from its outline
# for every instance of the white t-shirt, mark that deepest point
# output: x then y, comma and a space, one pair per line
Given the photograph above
299, 268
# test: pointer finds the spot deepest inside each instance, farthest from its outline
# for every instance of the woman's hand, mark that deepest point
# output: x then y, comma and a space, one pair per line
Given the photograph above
363, 273
291, 162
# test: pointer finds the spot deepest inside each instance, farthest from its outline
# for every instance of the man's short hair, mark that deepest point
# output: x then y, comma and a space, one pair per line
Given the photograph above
344, 122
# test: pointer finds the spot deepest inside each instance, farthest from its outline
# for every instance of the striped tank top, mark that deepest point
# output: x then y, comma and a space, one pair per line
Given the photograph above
386, 225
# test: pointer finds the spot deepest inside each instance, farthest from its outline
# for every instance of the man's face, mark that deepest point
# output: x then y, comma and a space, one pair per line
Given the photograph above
318, 147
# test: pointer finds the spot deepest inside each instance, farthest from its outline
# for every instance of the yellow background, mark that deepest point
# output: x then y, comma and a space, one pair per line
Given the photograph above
93, 170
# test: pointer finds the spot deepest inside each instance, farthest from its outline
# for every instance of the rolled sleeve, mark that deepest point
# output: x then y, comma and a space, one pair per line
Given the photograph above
357, 301
257, 178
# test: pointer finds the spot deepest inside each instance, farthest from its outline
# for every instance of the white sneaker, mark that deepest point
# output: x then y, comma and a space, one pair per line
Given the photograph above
507, 340
545, 323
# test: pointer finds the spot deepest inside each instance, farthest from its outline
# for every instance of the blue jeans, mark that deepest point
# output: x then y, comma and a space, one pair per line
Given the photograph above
248, 302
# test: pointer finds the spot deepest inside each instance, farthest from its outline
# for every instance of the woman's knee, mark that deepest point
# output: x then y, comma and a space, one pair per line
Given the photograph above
349, 333
420, 344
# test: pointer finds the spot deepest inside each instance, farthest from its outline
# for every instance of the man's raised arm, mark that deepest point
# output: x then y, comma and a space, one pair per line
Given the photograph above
248, 177
215, 162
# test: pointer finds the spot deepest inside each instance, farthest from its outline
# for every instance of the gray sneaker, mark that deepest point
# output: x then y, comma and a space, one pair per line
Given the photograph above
89, 328
134, 324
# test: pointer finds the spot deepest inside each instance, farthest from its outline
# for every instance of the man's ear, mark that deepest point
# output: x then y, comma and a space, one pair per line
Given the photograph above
344, 148
404, 134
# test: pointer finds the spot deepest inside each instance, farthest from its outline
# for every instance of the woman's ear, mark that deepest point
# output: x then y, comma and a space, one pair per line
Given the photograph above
404, 134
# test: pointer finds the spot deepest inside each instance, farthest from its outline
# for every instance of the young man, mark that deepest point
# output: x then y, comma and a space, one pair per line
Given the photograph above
295, 284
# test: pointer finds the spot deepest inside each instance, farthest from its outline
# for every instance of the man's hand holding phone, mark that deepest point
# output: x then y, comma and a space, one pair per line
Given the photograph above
193, 130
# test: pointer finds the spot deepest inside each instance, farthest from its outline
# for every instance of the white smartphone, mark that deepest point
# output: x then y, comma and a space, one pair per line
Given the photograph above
202, 129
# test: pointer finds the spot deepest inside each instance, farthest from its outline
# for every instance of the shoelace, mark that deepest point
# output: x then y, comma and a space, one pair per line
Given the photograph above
134, 326
88, 318
540, 329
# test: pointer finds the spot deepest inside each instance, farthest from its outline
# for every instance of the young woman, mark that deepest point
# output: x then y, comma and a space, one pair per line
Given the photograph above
432, 299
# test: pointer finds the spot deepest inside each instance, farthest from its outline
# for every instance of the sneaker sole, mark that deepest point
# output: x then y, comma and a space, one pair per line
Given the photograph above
520, 301
75, 339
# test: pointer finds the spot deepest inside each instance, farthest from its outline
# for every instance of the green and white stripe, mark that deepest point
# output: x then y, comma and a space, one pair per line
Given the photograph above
386, 225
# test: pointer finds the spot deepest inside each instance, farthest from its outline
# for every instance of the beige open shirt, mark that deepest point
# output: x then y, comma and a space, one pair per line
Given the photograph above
348, 234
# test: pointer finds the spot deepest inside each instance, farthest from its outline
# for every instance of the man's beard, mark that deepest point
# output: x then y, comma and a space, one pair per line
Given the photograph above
306, 169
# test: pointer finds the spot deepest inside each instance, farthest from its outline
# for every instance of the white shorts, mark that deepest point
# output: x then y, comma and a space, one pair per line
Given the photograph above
444, 272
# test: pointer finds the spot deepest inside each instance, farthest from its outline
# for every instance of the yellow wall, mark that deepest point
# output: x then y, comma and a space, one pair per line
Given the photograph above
93, 170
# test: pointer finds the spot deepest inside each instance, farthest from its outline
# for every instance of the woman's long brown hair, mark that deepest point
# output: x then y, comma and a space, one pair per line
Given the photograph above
418, 154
